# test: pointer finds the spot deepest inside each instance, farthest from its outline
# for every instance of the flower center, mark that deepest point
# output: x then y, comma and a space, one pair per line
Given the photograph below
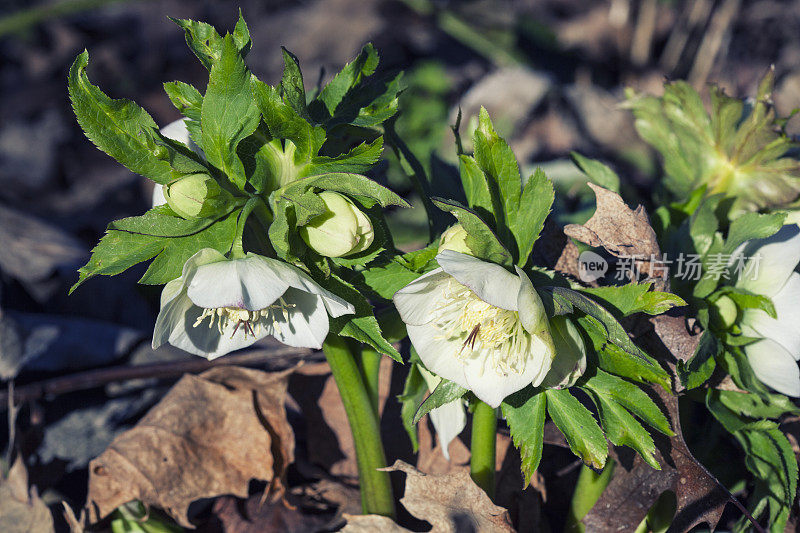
249, 321
483, 329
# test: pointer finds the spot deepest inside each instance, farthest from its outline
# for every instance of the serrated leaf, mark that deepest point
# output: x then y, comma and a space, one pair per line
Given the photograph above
481, 240
476, 187
347, 183
359, 160
623, 430
414, 392
119, 250
162, 222
528, 220
207, 44
350, 76
387, 279
631, 397
499, 163
584, 436
445, 392
292, 89
599, 173
615, 360
229, 113
635, 298
755, 406
119, 128
188, 100
745, 299
524, 412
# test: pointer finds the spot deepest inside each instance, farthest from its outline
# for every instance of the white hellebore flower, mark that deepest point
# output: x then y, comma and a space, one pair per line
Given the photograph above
478, 325
770, 271
219, 305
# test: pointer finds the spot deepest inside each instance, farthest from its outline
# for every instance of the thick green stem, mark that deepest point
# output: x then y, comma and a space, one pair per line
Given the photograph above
370, 364
588, 489
376, 489
483, 447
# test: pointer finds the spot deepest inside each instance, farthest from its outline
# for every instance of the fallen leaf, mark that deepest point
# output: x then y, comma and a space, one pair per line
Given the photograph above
372, 523
623, 232
449, 502
210, 435
21, 509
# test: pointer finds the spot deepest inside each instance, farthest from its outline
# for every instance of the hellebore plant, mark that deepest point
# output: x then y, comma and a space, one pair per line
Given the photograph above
265, 224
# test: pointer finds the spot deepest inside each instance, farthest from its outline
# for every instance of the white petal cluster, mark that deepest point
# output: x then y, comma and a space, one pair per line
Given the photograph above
478, 325
219, 305
770, 271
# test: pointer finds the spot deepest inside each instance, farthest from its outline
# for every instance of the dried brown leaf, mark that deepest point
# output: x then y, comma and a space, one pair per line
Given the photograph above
623, 232
21, 509
210, 435
256, 515
449, 502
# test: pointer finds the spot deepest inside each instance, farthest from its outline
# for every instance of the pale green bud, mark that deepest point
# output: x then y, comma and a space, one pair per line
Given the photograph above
569, 362
455, 238
727, 310
195, 196
342, 230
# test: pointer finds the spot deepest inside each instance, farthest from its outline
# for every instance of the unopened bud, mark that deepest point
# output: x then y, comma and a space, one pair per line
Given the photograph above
455, 238
342, 230
195, 196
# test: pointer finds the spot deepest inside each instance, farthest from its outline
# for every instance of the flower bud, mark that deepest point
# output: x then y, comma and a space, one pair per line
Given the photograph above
455, 238
195, 196
727, 311
342, 230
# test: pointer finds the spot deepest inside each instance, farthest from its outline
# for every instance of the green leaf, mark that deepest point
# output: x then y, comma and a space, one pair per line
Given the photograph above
524, 412
597, 172
614, 330
745, 299
362, 326
119, 128
346, 183
635, 298
206, 42
631, 397
119, 250
445, 392
755, 406
498, 162
359, 160
696, 371
350, 76
229, 113
480, 237
752, 226
584, 436
162, 222
189, 102
623, 430
612, 358
292, 88
414, 392
480, 196
387, 279
534, 206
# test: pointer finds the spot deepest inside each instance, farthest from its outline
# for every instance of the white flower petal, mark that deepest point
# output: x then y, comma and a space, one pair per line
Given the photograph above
770, 261
492, 283
774, 366
171, 290
437, 353
173, 310
294, 277
531, 310
492, 387
785, 330
247, 283
307, 324
449, 421
416, 301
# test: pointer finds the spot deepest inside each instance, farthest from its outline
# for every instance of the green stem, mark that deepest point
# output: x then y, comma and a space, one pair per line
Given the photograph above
376, 489
370, 365
483, 447
588, 489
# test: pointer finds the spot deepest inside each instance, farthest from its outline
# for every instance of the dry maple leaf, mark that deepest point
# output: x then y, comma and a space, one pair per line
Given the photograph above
21, 509
623, 232
450, 503
210, 435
